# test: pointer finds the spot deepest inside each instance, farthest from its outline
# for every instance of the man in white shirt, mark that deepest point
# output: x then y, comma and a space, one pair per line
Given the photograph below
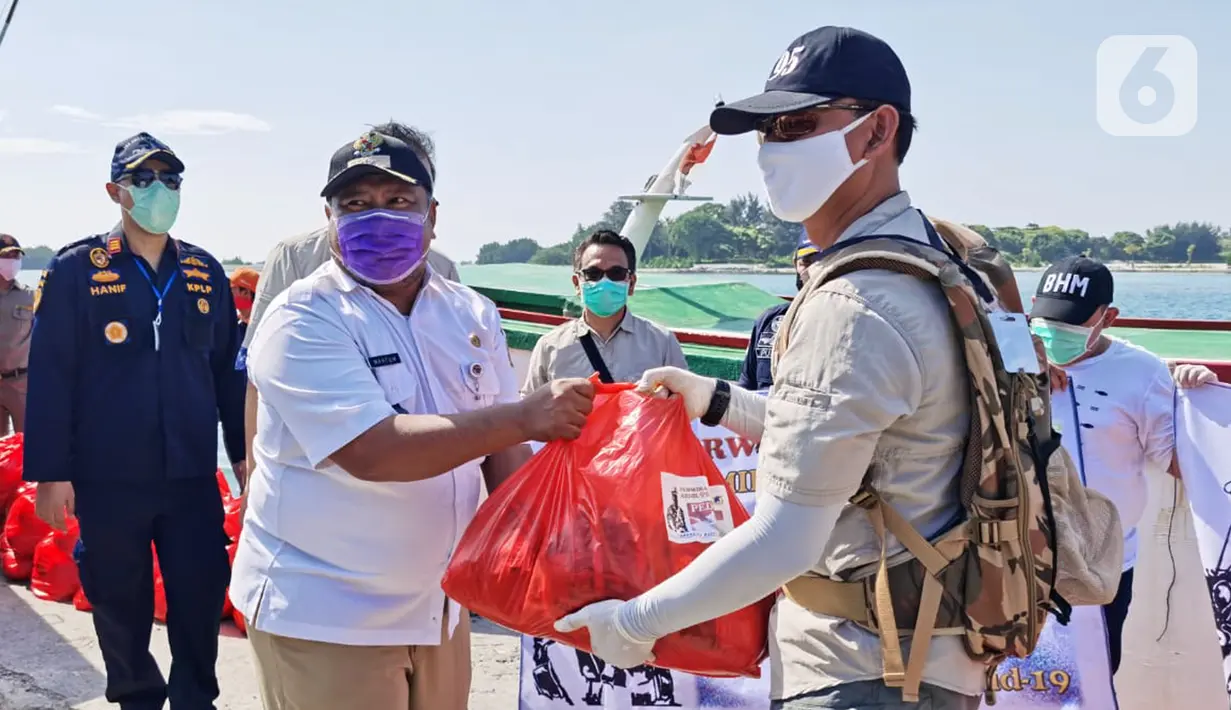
1117, 418
386, 396
295, 257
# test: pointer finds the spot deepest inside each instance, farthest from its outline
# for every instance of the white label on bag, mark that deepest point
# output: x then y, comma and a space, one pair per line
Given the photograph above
693, 510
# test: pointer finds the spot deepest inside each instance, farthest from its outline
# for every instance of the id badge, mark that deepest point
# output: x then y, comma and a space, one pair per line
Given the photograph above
1016, 344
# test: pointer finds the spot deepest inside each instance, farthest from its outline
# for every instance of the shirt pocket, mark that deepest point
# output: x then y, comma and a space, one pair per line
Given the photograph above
398, 384
480, 383
199, 323
112, 329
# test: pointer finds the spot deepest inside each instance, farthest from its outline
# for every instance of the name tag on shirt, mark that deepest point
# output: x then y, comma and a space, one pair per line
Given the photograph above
384, 360
1016, 345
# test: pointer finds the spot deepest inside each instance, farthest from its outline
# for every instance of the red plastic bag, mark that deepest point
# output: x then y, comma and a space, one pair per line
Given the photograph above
233, 522
11, 453
54, 577
80, 603
160, 594
224, 488
23, 531
632, 501
240, 623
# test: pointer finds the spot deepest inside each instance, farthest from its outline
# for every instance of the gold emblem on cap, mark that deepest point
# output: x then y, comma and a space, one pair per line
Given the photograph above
474, 340
203, 305
115, 332
99, 258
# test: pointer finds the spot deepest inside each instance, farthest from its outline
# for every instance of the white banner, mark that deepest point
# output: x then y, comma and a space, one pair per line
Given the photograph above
1203, 446
1069, 668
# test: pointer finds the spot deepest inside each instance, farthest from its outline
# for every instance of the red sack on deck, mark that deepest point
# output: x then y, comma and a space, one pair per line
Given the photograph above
80, 603
160, 594
232, 523
608, 516
227, 608
54, 577
23, 531
11, 452
238, 618
224, 488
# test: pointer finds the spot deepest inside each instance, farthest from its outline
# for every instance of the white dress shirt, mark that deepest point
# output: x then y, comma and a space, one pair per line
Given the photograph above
323, 555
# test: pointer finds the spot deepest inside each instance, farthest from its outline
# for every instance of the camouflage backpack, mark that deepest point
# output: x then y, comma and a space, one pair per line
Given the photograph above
991, 578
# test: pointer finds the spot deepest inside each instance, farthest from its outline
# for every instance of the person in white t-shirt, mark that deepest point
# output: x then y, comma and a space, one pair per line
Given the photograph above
386, 397
1117, 418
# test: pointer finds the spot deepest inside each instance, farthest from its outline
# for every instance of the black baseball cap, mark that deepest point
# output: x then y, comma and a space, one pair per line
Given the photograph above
373, 153
826, 64
10, 247
131, 152
1072, 289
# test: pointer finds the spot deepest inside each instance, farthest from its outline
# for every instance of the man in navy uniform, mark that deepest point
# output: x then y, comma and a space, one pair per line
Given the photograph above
755, 374
133, 361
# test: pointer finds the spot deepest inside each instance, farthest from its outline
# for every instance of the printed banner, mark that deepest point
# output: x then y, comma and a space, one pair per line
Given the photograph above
1203, 446
1069, 669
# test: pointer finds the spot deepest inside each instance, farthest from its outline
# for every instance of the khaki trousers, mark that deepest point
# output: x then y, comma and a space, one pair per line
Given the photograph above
13, 404
308, 675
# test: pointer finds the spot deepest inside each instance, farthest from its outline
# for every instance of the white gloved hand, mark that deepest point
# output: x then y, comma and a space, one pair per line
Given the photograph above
608, 638
1188, 376
696, 390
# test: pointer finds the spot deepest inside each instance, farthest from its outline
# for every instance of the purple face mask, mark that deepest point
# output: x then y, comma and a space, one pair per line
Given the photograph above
381, 247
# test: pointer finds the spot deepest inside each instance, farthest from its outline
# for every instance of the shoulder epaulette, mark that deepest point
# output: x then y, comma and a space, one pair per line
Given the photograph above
92, 241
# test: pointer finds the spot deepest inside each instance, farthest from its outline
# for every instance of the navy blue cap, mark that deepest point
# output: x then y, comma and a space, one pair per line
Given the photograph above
375, 152
1072, 290
805, 246
826, 64
131, 152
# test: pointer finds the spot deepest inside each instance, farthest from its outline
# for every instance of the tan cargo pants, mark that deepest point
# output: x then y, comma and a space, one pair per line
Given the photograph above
309, 675
13, 404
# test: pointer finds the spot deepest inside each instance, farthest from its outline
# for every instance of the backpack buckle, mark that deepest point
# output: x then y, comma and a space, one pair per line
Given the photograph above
989, 532
864, 498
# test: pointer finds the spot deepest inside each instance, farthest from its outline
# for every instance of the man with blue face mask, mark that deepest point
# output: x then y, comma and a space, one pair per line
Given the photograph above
607, 338
1116, 415
133, 356
386, 399
873, 371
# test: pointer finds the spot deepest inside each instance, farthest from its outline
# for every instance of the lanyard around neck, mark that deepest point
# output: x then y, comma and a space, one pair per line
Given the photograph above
158, 296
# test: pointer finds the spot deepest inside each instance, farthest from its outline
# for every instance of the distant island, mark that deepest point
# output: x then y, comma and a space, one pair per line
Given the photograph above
744, 236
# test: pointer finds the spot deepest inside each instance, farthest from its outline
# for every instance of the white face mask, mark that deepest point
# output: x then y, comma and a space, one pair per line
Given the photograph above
800, 176
9, 269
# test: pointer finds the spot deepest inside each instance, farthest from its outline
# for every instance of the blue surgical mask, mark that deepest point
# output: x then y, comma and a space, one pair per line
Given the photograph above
155, 207
1063, 343
605, 297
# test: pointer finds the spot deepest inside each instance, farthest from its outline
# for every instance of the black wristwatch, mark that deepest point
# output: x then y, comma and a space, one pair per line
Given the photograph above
719, 402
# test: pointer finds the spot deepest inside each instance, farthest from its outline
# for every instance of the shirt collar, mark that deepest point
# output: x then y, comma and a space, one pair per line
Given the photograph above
890, 209
345, 283
627, 324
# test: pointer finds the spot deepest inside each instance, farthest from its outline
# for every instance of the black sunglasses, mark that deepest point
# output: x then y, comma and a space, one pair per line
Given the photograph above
144, 177
615, 273
787, 127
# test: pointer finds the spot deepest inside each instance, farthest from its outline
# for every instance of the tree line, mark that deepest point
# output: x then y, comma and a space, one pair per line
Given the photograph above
744, 231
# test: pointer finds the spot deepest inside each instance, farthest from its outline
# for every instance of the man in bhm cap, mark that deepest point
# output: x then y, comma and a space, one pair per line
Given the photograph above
386, 397
1116, 415
872, 372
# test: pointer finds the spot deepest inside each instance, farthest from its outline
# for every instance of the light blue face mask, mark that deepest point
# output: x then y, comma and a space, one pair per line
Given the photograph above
1062, 342
155, 207
605, 297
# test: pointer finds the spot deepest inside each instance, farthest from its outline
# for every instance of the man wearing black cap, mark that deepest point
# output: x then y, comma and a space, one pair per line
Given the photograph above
872, 372
386, 398
16, 322
1116, 412
134, 348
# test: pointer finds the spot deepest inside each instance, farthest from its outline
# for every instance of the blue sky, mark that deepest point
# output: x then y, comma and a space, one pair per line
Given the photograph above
544, 111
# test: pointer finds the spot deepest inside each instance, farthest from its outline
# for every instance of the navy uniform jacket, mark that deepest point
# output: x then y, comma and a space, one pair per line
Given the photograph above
755, 375
102, 404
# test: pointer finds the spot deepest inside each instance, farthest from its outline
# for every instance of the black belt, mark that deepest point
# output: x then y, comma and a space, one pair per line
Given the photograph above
10, 374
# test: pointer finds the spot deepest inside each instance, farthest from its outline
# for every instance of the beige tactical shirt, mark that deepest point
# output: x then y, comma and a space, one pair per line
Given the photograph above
16, 322
635, 346
294, 258
872, 373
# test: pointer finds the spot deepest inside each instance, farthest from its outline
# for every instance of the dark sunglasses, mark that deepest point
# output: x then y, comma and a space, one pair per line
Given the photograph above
615, 273
144, 177
787, 127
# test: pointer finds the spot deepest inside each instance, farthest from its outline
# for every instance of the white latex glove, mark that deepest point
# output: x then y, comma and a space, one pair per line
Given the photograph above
1188, 376
608, 638
696, 390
